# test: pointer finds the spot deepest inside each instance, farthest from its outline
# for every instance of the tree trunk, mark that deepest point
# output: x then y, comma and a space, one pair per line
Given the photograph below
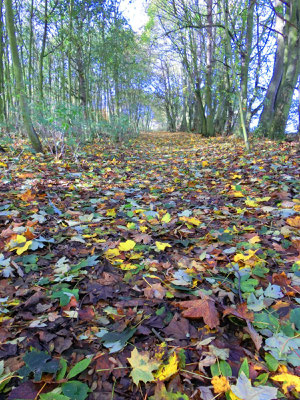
209, 57
246, 58
20, 89
286, 71
30, 51
42, 54
2, 89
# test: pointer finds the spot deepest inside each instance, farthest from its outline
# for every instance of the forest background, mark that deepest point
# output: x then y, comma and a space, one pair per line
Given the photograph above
208, 67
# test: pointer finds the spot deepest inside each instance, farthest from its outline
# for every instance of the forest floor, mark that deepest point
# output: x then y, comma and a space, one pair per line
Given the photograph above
164, 269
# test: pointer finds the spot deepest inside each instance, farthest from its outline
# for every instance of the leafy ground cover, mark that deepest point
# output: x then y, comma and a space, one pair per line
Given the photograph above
164, 269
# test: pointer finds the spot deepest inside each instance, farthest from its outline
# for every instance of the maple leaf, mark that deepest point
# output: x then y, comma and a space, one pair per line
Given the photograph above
142, 367
202, 308
245, 391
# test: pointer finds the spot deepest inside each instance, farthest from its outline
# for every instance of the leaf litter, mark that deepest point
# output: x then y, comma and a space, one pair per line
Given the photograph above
164, 269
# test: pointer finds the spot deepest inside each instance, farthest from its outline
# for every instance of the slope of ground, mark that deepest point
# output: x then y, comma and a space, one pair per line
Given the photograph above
164, 269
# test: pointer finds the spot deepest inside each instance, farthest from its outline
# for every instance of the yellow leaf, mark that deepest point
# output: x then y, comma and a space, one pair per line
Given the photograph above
143, 229
191, 220
166, 371
242, 257
295, 222
251, 203
254, 239
112, 253
220, 384
161, 246
233, 396
204, 164
131, 225
111, 213
21, 250
127, 246
20, 244
2, 164
260, 199
166, 218
127, 267
288, 380
238, 194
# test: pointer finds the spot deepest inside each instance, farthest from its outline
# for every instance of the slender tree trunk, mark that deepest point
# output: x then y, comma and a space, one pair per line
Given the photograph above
42, 54
246, 58
30, 51
20, 89
209, 59
70, 49
2, 88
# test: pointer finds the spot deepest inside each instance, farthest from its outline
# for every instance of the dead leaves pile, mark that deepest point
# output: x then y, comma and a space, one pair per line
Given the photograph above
155, 271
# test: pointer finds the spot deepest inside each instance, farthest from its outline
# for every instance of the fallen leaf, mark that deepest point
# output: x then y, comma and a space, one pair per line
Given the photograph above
202, 308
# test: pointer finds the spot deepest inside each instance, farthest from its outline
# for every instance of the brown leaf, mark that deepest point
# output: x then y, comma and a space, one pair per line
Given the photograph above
142, 237
156, 290
255, 336
241, 311
202, 308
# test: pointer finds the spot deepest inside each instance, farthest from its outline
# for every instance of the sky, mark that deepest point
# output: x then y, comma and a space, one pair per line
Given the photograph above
135, 12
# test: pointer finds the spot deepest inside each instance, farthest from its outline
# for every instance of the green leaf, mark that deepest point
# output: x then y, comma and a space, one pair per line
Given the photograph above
261, 379
65, 296
75, 390
62, 371
295, 317
53, 396
272, 363
79, 367
115, 341
225, 368
215, 369
244, 368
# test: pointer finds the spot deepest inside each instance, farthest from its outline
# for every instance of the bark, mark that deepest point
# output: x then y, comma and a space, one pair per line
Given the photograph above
246, 58
30, 50
81, 80
20, 89
42, 54
2, 88
209, 59
272, 91
286, 71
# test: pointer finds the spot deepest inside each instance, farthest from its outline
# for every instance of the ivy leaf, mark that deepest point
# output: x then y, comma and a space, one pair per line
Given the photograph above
245, 391
142, 367
38, 363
